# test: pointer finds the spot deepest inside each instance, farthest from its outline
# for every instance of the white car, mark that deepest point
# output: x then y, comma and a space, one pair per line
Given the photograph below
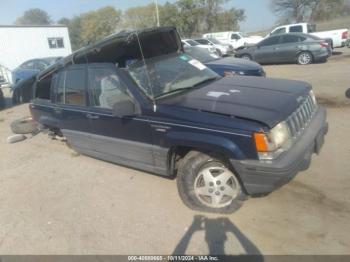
190, 42
339, 37
221, 48
236, 39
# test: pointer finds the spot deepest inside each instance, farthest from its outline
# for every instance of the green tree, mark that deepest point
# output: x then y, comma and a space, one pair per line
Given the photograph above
140, 17
92, 26
169, 14
34, 16
98, 24
74, 28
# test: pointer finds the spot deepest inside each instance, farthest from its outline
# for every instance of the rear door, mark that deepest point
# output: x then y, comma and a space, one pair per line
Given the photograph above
124, 140
70, 96
289, 47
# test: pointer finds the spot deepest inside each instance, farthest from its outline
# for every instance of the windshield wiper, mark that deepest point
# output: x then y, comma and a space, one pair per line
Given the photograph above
205, 81
174, 91
186, 88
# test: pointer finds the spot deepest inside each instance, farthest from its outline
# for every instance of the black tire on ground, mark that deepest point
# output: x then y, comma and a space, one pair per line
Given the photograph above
246, 57
2, 100
305, 58
24, 125
16, 98
219, 52
192, 180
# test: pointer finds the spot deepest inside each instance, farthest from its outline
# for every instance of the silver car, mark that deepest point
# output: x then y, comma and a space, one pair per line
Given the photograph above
288, 48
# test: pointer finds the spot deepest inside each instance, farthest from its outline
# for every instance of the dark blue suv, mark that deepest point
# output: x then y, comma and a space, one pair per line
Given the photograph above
137, 99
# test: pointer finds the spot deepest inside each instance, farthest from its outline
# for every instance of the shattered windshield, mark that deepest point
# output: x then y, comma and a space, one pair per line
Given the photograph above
169, 74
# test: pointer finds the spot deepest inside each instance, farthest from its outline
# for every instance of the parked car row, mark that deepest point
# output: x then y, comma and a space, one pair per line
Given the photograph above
288, 48
160, 110
235, 39
337, 37
226, 66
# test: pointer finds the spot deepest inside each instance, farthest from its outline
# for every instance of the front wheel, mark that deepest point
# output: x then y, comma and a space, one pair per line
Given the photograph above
207, 184
304, 58
246, 57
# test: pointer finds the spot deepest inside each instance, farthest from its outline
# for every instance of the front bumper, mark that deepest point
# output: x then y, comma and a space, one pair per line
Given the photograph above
261, 177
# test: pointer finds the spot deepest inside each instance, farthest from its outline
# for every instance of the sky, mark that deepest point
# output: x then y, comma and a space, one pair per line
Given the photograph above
258, 12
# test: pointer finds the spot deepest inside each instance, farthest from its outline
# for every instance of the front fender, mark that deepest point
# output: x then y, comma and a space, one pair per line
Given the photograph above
206, 142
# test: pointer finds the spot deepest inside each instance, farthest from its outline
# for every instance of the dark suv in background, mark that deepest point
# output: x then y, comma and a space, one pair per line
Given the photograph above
138, 100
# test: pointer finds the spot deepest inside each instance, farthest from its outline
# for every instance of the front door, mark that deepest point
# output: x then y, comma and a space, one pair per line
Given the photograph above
267, 50
124, 140
70, 96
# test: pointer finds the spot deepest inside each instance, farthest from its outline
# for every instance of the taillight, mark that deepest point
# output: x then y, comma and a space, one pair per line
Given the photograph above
344, 35
324, 44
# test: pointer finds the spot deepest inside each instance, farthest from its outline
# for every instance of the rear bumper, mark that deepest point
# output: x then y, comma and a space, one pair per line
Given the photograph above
261, 177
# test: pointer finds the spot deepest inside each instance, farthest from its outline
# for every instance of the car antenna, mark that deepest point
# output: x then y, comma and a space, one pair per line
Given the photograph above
147, 73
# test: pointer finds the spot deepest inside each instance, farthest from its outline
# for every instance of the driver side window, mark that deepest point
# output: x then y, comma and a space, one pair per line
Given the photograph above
106, 88
281, 30
270, 41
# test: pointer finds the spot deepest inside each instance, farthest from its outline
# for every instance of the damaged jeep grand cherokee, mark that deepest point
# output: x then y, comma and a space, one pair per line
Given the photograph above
137, 99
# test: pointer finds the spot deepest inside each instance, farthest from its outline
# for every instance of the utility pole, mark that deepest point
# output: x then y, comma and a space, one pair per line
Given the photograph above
157, 12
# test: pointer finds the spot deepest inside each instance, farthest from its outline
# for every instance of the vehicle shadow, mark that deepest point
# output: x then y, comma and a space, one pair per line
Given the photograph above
216, 231
337, 53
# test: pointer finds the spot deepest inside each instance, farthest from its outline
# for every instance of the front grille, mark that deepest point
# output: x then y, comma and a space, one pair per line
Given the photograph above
301, 117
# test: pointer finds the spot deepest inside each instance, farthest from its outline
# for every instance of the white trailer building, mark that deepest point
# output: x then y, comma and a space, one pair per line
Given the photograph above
21, 43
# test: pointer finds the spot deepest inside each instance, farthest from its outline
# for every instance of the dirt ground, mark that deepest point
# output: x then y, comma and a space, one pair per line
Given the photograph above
54, 201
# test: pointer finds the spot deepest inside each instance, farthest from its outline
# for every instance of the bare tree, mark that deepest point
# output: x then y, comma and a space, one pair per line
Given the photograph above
292, 10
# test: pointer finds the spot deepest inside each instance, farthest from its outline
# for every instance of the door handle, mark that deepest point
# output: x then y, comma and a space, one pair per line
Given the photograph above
91, 116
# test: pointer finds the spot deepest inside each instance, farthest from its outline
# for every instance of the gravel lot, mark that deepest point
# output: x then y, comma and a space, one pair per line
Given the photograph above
54, 201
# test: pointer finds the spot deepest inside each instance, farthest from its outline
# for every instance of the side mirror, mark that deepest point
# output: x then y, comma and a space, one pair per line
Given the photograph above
347, 93
124, 108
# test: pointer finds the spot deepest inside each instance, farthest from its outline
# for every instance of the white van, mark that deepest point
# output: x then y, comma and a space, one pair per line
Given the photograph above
236, 39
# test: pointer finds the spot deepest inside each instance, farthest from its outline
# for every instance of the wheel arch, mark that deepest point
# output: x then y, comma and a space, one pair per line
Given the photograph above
182, 143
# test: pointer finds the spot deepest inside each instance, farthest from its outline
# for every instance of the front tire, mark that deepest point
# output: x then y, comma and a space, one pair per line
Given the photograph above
304, 58
206, 183
246, 57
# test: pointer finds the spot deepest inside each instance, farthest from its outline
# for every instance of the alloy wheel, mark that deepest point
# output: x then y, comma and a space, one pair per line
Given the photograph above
216, 186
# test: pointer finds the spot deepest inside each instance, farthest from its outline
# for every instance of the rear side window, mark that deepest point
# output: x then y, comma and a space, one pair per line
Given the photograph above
203, 41
296, 29
28, 65
71, 87
235, 37
292, 39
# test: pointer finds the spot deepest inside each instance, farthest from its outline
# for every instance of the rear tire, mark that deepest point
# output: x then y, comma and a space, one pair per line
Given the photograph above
206, 183
304, 58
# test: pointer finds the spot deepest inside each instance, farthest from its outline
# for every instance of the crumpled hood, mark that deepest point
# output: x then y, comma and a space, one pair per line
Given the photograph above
237, 63
265, 100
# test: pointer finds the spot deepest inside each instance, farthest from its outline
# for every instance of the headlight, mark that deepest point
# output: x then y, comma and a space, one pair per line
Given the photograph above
313, 97
233, 73
271, 145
